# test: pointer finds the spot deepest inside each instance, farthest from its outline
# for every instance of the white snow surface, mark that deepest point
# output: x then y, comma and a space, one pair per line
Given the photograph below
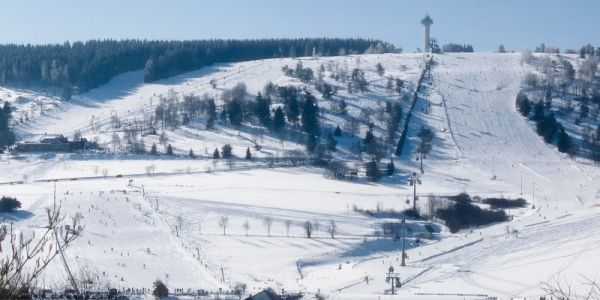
166, 226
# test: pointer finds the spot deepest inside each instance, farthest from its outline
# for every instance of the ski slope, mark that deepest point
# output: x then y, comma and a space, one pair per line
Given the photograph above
482, 146
127, 97
470, 99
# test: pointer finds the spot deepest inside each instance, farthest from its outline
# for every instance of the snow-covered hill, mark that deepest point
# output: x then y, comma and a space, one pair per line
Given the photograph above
129, 99
167, 226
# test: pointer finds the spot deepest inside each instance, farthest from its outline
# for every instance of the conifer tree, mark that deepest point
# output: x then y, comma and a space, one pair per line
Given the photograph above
391, 168
337, 131
564, 142
153, 150
293, 110
226, 151
379, 69
263, 109
331, 143
278, 120
310, 115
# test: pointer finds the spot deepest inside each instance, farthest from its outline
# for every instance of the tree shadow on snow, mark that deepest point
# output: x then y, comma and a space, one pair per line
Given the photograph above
126, 84
375, 246
15, 216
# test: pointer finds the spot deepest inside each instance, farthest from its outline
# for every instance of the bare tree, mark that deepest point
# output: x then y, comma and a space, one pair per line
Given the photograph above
230, 163
26, 257
563, 290
332, 228
352, 126
163, 139
308, 229
115, 141
288, 224
246, 226
88, 279
316, 226
223, 221
431, 205
150, 169
526, 56
268, 223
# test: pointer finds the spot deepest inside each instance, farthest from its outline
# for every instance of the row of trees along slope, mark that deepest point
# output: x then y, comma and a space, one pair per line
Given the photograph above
85, 65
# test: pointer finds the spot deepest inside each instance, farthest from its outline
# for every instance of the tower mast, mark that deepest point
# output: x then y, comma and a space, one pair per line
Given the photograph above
427, 22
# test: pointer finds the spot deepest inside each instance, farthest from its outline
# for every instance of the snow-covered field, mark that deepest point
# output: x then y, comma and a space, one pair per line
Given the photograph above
167, 227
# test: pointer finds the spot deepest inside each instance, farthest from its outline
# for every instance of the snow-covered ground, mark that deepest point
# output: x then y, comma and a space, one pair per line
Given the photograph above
167, 227
129, 99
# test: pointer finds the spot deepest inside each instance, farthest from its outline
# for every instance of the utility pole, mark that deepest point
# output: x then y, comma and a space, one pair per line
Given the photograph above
533, 195
415, 196
393, 279
402, 227
65, 264
493, 175
414, 180
509, 216
62, 254
421, 154
521, 179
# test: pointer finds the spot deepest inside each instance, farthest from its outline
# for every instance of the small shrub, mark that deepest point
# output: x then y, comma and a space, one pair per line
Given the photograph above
462, 197
160, 290
463, 214
8, 204
411, 213
496, 203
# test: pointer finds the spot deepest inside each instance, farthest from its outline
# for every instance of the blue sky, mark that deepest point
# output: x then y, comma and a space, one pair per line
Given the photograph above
484, 23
